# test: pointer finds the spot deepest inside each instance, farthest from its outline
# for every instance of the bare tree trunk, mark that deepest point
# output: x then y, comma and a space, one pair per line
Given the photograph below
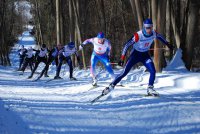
168, 26
134, 10
58, 21
154, 4
175, 30
77, 29
139, 13
61, 23
102, 17
161, 20
71, 22
39, 22
191, 32
123, 21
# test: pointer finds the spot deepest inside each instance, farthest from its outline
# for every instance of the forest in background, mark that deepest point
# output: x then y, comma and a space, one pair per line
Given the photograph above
61, 21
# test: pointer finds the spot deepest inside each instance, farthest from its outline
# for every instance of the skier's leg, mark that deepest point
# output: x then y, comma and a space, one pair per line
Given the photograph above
69, 62
46, 61
35, 67
21, 60
94, 60
150, 66
31, 63
45, 69
130, 63
59, 66
107, 65
24, 65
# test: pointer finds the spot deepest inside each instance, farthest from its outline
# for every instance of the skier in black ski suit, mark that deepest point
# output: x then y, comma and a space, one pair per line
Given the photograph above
53, 56
41, 56
68, 50
29, 57
21, 54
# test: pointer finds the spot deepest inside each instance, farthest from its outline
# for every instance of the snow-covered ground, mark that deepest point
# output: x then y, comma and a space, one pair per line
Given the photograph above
63, 106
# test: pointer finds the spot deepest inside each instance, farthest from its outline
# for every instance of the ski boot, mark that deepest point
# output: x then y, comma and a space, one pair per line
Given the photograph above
151, 91
30, 76
46, 75
108, 89
72, 78
94, 82
57, 77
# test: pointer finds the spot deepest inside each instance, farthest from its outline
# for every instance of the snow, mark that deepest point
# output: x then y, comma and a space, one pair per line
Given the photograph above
176, 63
63, 106
24, 7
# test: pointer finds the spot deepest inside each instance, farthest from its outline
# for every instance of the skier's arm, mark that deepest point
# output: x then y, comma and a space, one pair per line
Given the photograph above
130, 42
78, 57
88, 41
36, 50
163, 40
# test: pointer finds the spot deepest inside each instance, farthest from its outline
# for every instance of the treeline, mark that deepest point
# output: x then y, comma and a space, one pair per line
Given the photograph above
78, 20
61, 21
10, 27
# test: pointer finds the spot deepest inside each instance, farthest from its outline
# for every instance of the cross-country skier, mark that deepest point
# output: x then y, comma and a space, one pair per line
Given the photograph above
68, 50
101, 52
41, 56
21, 53
53, 56
141, 42
29, 57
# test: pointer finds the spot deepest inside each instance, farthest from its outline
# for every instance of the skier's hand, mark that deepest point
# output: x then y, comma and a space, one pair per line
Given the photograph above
171, 47
121, 63
80, 47
105, 91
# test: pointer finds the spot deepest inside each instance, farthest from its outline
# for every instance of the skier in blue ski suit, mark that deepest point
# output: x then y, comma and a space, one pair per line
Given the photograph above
66, 53
141, 42
101, 52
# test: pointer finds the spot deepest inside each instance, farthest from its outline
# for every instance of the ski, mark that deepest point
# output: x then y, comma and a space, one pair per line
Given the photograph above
53, 79
93, 87
150, 95
36, 79
97, 98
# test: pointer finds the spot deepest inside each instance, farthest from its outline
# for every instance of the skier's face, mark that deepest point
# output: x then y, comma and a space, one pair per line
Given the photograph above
100, 40
148, 30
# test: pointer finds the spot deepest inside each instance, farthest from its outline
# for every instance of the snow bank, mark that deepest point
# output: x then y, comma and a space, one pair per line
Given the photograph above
176, 64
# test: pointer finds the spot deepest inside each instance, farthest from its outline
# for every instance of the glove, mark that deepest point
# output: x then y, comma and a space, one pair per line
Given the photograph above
105, 91
80, 47
171, 47
121, 63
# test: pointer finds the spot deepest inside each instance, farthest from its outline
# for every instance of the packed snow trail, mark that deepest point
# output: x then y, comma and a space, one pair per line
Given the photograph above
63, 106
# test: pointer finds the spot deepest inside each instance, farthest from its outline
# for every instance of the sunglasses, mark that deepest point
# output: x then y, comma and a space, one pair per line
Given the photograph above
148, 27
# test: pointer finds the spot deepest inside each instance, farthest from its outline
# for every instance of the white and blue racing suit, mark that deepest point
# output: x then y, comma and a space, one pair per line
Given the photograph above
100, 53
141, 44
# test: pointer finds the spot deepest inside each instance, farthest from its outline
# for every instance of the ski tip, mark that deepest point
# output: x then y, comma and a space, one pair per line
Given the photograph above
97, 98
150, 95
120, 85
